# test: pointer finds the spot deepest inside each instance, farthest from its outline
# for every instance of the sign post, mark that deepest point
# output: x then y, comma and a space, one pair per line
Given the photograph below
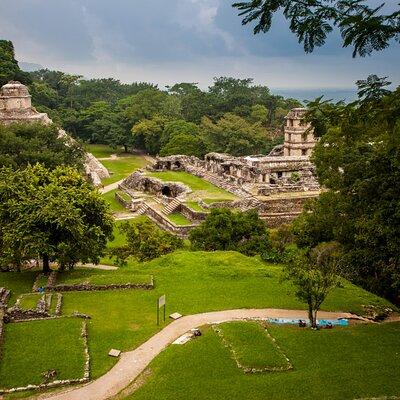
160, 303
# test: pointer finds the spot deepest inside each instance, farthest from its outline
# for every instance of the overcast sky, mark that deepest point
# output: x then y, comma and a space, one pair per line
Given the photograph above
168, 41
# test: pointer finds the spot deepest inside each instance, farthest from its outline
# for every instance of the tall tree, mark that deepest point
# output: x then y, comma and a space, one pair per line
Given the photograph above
54, 214
314, 274
24, 144
357, 160
9, 69
362, 26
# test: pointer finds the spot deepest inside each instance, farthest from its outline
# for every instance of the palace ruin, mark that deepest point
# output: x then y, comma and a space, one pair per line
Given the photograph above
277, 185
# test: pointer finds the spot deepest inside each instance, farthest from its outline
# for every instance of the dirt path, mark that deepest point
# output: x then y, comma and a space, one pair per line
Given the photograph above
132, 363
110, 187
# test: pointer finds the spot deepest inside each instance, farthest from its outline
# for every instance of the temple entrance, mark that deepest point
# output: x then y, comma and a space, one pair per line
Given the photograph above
166, 191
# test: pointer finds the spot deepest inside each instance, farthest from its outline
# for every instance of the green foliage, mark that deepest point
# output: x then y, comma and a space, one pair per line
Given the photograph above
233, 135
314, 274
145, 241
229, 230
22, 144
364, 27
54, 214
9, 69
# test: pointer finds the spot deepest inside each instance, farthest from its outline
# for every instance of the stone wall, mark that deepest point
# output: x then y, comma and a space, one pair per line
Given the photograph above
148, 184
193, 215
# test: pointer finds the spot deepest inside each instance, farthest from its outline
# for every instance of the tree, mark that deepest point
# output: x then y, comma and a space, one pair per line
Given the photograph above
362, 26
147, 133
314, 274
145, 241
225, 229
357, 161
182, 143
54, 214
233, 135
23, 144
9, 68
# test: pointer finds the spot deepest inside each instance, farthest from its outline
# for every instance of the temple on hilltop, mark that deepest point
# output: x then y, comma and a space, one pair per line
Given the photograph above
16, 106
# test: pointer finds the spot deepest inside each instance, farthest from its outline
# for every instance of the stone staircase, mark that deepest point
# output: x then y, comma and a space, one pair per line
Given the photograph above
142, 209
171, 207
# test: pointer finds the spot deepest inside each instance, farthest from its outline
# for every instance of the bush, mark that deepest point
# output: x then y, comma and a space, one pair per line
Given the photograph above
145, 241
225, 229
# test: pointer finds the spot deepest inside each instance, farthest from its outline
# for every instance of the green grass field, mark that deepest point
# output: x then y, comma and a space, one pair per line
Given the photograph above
17, 282
103, 150
114, 204
194, 205
344, 363
193, 282
32, 348
122, 167
29, 301
179, 219
201, 188
251, 345
99, 277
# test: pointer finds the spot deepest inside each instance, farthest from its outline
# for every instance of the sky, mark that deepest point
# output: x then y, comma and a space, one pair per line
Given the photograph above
169, 41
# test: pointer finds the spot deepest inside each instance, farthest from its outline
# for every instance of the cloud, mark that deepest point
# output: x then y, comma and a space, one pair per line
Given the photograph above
175, 40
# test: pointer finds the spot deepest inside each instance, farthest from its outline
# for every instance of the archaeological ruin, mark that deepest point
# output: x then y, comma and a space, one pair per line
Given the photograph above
16, 107
277, 185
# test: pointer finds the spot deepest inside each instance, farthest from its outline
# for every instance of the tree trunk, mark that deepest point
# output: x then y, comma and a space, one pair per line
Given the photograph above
312, 315
46, 264
126, 148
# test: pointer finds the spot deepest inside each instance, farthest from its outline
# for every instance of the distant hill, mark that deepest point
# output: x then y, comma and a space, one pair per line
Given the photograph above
347, 95
29, 67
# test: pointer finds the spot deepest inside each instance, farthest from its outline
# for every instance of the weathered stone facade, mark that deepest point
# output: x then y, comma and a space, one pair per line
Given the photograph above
16, 106
139, 181
299, 138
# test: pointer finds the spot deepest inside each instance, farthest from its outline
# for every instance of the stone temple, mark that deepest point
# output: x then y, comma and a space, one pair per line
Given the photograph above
16, 106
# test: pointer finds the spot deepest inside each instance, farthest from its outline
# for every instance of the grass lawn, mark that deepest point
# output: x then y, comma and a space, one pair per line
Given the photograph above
194, 205
32, 348
200, 187
344, 363
29, 301
252, 347
103, 150
193, 282
121, 167
18, 282
99, 277
179, 219
114, 204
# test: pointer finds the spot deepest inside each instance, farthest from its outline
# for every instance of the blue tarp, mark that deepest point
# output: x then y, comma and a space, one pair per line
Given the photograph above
320, 322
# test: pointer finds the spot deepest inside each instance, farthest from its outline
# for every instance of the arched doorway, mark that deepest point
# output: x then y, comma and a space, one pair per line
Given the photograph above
166, 191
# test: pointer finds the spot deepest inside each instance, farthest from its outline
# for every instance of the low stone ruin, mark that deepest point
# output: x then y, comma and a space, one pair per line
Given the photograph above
143, 183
